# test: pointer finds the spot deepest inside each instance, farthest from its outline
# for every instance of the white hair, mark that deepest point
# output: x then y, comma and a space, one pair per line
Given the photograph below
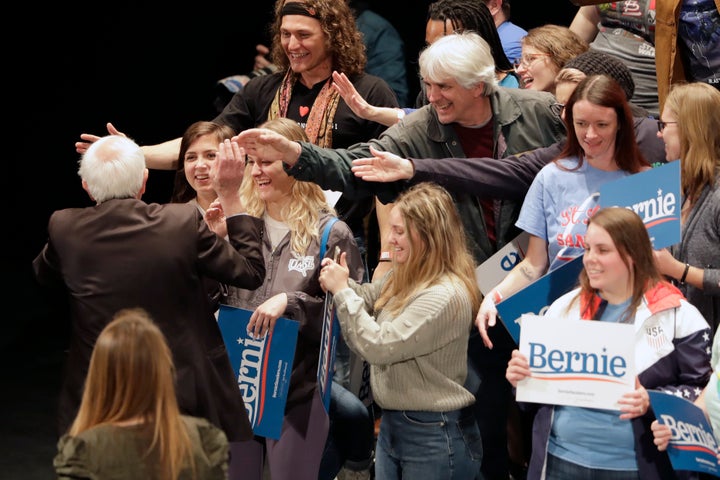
465, 57
113, 167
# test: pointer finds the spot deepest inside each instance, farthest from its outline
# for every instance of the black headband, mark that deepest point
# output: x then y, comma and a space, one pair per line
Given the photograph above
298, 8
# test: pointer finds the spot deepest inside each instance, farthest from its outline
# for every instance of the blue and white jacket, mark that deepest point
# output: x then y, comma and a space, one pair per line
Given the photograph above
672, 354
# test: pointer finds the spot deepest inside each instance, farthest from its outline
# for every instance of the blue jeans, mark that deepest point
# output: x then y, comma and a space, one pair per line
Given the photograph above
559, 469
428, 445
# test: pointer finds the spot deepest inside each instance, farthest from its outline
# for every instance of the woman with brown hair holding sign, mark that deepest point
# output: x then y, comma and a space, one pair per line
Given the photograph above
620, 283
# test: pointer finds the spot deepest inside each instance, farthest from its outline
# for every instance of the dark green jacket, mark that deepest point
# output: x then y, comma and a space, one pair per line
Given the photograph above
523, 121
110, 452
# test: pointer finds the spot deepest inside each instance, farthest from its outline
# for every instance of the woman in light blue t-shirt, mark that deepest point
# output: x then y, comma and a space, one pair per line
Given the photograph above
600, 148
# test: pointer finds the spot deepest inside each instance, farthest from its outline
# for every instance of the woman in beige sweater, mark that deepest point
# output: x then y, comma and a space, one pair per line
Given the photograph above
412, 326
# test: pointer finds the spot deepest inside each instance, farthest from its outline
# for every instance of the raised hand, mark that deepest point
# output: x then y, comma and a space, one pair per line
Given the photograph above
354, 100
261, 59
228, 170
227, 173
387, 116
267, 145
667, 264
89, 139
382, 167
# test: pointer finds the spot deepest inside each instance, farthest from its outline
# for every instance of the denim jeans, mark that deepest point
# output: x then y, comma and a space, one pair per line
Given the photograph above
559, 469
428, 445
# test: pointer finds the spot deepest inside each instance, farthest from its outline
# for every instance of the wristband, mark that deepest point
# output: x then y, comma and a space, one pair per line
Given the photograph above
400, 114
497, 296
684, 275
385, 257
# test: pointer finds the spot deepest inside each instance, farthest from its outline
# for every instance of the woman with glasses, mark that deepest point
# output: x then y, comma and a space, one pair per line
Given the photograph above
690, 127
545, 50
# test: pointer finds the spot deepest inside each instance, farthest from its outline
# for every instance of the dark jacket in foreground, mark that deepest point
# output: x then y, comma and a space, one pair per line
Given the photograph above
125, 253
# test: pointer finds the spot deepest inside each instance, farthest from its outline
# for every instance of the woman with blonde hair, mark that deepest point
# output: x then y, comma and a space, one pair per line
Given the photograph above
690, 127
129, 425
295, 215
413, 327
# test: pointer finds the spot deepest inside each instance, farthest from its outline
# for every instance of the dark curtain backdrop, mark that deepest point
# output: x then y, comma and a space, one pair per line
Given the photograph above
151, 70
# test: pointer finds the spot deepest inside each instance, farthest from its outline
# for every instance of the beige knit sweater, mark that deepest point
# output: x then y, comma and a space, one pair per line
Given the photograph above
419, 358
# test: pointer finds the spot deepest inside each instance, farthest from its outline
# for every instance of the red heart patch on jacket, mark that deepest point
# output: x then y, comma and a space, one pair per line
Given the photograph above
304, 110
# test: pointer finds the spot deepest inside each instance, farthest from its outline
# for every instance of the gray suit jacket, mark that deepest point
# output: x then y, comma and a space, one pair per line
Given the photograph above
126, 253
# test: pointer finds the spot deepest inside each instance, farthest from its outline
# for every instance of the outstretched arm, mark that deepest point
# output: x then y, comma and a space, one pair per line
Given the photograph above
163, 156
330, 168
532, 267
505, 178
88, 138
382, 167
384, 115
268, 145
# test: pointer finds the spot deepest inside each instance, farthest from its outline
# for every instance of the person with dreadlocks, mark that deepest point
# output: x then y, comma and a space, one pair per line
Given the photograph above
444, 17
450, 16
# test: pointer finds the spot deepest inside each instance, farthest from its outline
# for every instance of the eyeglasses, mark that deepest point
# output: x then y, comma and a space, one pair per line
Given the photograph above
662, 125
527, 60
557, 108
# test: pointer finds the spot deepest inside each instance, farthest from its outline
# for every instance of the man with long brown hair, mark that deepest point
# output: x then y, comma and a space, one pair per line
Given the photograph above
310, 40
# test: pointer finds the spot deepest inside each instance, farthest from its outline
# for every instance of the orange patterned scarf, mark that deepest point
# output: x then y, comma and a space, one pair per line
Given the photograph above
322, 113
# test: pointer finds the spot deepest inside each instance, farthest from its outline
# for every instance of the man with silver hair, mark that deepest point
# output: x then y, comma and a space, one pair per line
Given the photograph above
468, 116
123, 252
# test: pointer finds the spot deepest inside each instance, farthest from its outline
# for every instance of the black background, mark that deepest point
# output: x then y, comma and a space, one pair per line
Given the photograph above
148, 67
149, 70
